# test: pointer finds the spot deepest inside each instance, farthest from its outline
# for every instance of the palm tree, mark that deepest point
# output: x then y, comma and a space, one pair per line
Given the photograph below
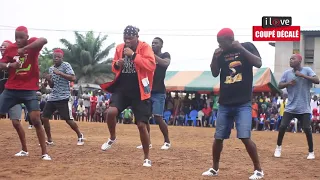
88, 59
45, 61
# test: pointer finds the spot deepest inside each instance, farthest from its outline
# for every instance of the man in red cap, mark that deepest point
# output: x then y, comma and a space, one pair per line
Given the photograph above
15, 111
298, 81
134, 65
59, 77
21, 61
234, 62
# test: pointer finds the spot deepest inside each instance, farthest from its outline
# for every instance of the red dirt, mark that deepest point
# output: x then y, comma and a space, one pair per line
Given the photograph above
189, 157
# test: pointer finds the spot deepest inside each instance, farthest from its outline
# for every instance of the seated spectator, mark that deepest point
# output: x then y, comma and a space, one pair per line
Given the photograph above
127, 116
207, 113
180, 119
200, 117
99, 113
315, 120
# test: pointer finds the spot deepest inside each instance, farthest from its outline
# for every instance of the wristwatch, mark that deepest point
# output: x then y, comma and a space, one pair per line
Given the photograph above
8, 65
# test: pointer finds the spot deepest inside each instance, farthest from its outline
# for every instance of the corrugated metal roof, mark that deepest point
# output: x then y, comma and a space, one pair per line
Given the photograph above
310, 30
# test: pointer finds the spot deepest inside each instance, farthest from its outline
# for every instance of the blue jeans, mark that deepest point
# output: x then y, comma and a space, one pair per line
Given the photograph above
228, 114
158, 101
9, 98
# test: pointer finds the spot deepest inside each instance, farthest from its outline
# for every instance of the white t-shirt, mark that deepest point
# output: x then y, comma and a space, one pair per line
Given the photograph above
200, 115
313, 104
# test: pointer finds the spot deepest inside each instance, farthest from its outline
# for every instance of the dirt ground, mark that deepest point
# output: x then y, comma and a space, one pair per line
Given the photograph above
189, 157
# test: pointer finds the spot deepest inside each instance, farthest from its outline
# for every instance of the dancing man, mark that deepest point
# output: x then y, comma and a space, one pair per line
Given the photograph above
234, 62
158, 94
298, 82
21, 61
58, 79
16, 110
134, 65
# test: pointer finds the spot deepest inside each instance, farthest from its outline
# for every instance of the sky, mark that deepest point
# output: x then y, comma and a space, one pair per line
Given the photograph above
187, 27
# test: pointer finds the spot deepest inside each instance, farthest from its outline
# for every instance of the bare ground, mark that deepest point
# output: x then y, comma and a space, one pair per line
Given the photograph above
189, 157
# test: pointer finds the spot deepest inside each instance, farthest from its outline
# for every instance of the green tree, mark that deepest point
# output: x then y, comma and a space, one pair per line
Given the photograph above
88, 57
45, 61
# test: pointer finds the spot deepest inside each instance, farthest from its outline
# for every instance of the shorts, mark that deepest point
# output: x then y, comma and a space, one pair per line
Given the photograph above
158, 101
15, 112
63, 106
141, 108
305, 119
10, 98
254, 119
228, 114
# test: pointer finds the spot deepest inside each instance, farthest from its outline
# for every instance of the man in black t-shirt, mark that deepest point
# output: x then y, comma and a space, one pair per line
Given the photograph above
234, 62
158, 93
134, 66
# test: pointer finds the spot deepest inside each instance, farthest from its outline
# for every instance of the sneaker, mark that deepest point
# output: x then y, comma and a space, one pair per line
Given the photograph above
166, 146
140, 147
257, 175
311, 155
277, 152
81, 140
49, 143
22, 153
107, 145
211, 172
46, 157
146, 163
30, 127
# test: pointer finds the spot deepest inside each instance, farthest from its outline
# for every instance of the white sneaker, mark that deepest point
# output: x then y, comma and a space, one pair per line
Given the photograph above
140, 147
107, 145
81, 140
146, 163
22, 153
46, 157
257, 175
311, 155
49, 143
211, 172
166, 146
277, 152
30, 127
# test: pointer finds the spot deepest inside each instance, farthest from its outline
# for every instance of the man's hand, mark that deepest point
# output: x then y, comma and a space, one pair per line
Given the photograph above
15, 65
21, 51
236, 45
292, 83
128, 52
218, 52
120, 62
56, 71
299, 74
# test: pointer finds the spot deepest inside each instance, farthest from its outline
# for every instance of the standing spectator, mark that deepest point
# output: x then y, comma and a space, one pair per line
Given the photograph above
86, 103
93, 105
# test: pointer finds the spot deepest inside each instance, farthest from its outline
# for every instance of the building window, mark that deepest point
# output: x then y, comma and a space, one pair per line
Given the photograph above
309, 50
296, 47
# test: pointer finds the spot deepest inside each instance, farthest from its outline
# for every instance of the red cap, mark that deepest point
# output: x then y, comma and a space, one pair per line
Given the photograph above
225, 32
22, 29
298, 56
58, 51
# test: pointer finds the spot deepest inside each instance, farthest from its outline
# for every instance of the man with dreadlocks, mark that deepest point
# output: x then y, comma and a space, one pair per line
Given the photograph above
234, 62
134, 66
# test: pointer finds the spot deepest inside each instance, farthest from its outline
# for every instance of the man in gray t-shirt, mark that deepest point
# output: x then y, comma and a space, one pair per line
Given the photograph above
59, 77
298, 82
